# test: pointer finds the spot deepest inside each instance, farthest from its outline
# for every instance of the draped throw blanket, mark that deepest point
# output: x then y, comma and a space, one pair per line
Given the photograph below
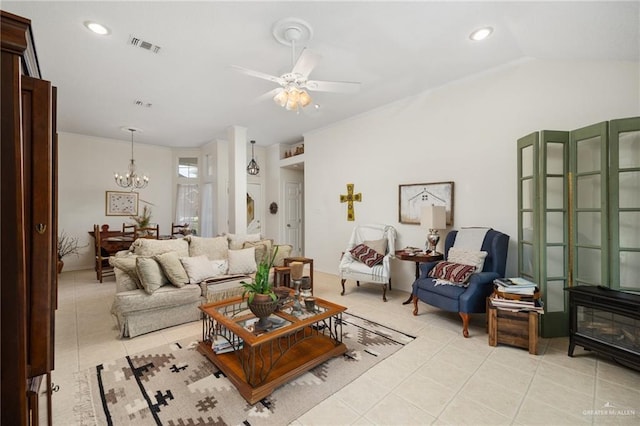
470, 238
351, 268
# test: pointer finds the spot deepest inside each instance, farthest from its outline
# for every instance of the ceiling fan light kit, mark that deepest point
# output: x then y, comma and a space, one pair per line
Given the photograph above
293, 94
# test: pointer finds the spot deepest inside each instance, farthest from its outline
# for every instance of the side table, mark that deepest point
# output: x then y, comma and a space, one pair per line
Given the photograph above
418, 258
288, 260
519, 329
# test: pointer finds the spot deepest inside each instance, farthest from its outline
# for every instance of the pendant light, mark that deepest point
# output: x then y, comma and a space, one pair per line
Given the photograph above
253, 168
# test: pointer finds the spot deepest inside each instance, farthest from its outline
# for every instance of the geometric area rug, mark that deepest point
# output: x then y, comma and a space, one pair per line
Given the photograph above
175, 385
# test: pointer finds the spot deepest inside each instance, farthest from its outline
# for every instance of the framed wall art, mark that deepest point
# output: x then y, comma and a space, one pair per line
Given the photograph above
118, 203
412, 197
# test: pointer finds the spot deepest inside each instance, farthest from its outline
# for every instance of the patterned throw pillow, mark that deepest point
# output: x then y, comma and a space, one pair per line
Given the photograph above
366, 255
454, 272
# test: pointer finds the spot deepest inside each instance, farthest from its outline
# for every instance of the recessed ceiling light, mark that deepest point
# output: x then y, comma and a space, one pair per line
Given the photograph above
481, 33
97, 28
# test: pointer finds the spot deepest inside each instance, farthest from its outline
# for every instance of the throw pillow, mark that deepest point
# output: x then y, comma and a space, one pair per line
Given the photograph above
378, 245
284, 251
220, 267
454, 272
124, 282
172, 268
263, 249
366, 255
467, 257
126, 264
198, 268
242, 261
236, 240
214, 248
150, 273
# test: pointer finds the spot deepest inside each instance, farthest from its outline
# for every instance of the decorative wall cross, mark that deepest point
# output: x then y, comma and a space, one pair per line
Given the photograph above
349, 198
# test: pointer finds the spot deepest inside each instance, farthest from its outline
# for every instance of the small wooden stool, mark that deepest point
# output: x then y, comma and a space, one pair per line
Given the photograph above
281, 276
288, 260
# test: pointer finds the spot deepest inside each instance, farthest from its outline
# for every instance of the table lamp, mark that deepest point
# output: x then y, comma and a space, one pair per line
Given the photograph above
433, 218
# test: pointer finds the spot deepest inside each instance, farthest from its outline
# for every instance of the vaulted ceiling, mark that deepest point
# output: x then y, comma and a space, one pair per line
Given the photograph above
188, 94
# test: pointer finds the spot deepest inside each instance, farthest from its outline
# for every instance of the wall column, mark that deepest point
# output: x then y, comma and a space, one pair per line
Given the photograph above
237, 137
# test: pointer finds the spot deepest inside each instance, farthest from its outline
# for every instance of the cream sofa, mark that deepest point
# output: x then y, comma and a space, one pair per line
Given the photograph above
161, 283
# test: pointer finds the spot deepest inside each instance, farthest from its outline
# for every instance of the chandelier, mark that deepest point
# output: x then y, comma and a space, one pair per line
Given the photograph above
131, 179
253, 168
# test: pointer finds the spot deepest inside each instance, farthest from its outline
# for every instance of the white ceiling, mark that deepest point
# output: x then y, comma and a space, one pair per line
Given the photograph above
395, 49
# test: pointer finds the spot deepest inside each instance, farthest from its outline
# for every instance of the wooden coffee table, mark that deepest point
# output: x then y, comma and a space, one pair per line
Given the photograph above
258, 362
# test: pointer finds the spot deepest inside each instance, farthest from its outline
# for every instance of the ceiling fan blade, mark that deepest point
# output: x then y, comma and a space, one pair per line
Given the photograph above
269, 95
259, 74
306, 62
333, 86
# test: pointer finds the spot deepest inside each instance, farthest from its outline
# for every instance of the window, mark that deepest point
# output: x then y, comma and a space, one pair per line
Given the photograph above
188, 193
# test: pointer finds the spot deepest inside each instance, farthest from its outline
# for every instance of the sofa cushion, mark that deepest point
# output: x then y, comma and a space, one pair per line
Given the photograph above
127, 264
214, 248
149, 247
166, 296
378, 245
172, 268
467, 257
242, 261
236, 241
199, 268
150, 274
366, 255
453, 272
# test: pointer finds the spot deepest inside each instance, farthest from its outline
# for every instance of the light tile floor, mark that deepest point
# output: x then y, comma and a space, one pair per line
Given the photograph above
441, 378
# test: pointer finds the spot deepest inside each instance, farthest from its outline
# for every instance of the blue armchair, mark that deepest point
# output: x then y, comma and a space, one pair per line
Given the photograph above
470, 299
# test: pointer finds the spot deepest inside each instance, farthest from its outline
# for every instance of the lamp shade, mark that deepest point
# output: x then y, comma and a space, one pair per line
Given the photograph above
433, 217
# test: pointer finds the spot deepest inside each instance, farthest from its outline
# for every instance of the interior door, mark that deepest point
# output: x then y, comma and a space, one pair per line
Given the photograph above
255, 208
293, 216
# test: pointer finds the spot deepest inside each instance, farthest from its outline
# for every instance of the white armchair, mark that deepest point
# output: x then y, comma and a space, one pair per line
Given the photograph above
374, 236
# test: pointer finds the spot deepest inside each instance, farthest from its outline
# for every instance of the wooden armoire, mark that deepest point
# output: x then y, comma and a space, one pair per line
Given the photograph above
28, 231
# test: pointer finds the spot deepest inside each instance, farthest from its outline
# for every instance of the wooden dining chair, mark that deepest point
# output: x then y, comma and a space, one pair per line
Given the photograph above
180, 230
102, 267
152, 232
129, 230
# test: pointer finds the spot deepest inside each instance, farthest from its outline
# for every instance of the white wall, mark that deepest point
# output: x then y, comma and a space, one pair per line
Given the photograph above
465, 132
86, 166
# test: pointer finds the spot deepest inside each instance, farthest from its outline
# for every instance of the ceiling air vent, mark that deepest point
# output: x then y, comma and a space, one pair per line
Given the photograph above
138, 42
141, 103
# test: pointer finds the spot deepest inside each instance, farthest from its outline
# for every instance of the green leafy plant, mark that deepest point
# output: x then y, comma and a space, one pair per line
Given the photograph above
68, 245
261, 284
144, 219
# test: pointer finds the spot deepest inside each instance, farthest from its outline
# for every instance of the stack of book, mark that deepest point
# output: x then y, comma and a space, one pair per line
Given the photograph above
515, 305
517, 295
515, 286
221, 345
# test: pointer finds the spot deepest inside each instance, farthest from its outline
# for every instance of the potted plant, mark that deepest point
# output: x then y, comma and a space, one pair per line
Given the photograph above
261, 298
144, 220
67, 245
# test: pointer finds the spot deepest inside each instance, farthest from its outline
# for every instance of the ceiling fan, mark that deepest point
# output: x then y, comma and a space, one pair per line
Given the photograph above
292, 93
